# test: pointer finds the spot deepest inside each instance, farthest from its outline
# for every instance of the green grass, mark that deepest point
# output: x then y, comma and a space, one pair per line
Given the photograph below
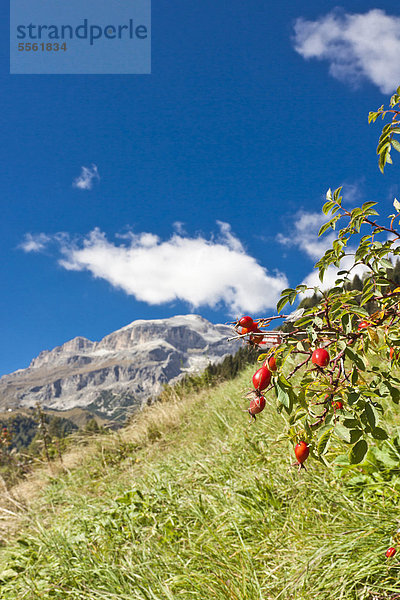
193, 502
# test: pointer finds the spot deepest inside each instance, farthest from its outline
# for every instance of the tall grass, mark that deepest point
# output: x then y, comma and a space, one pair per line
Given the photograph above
194, 502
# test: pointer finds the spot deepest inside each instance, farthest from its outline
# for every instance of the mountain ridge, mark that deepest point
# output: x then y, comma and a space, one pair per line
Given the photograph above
125, 369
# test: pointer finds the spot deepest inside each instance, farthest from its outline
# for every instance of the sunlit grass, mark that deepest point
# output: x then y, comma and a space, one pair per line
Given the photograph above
194, 502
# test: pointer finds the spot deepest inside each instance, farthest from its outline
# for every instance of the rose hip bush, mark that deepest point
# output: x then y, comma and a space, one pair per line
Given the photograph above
341, 353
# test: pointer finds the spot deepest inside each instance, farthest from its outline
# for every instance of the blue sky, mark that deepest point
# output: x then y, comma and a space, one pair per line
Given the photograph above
197, 188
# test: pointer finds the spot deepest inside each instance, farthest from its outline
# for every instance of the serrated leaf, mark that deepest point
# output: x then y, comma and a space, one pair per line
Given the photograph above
283, 394
323, 441
358, 451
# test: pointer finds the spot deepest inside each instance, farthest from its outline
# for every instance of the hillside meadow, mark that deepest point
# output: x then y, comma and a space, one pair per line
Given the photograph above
192, 501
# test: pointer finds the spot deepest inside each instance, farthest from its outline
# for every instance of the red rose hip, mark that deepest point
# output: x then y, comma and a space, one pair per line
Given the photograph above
246, 322
270, 363
257, 405
390, 552
337, 405
320, 357
262, 378
301, 451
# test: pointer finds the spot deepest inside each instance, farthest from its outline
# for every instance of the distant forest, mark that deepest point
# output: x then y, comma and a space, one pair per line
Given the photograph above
24, 429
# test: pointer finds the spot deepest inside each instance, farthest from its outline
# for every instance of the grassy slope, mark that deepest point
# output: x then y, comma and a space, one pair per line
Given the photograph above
194, 503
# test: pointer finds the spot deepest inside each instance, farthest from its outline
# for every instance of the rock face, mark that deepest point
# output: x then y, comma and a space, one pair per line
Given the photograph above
122, 371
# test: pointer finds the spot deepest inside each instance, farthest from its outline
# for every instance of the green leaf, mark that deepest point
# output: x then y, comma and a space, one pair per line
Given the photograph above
384, 142
342, 432
347, 322
356, 359
379, 434
385, 262
368, 205
324, 228
327, 207
301, 288
282, 302
284, 393
372, 116
323, 441
358, 451
303, 321
336, 194
348, 435
366, 298
370, 414
287, 291
354, 376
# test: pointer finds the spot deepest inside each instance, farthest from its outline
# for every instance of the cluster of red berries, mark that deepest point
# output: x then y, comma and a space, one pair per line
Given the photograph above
261, 380
249, 326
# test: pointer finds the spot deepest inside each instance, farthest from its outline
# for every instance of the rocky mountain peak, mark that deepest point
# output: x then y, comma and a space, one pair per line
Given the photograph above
120, 372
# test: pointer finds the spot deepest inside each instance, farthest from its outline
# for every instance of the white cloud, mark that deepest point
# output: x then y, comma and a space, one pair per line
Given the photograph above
331, 274
304, 235
195, 270
179, 227
86, 178
357, 46
34, 243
